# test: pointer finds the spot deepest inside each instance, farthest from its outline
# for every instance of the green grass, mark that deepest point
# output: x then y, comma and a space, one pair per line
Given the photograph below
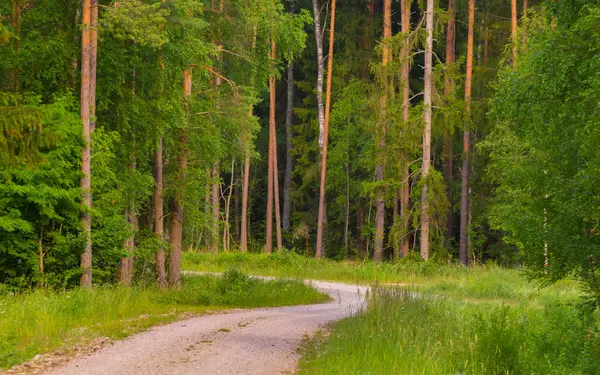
41, 321
445, 319
406, 333
483, 283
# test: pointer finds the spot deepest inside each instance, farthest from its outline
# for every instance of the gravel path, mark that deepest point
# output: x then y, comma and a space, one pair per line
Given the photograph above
253, 341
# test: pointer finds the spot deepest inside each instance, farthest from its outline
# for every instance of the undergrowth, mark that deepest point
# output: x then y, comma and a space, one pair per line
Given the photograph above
402, 332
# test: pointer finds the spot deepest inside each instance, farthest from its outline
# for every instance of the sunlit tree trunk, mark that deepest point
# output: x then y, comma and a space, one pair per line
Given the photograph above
381, 134
287, 183
320, 69
216, 208
159, 256
13, 79
246, 181
274, 188
244, 218
464, 196
322, 213
513, 8
404, 175
86, 256
448, 92
427, 130
176, 229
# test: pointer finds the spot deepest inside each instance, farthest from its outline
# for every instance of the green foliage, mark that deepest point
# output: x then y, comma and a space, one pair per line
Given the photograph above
543, 151
136, 21
429, 334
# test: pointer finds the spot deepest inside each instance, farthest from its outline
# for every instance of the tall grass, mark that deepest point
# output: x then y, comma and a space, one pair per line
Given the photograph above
39, 321
406, 333
478, 283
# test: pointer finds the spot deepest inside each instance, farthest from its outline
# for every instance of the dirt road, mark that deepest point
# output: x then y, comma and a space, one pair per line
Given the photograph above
253, 341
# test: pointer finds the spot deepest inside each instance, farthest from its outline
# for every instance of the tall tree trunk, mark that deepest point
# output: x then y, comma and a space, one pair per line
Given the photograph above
287, 183
86, 202
244, 218
360, 220
513, 8
13, 80
216, 208
404, 192
427, 131
176, 229
126, 265
320, 69
448, 92
270, 174
273, 148
159, 256
379, 170
226, 226
246, 177
322, 212
464, 194
236, 210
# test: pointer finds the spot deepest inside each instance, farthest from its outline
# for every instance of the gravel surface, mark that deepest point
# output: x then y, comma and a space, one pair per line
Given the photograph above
250, 341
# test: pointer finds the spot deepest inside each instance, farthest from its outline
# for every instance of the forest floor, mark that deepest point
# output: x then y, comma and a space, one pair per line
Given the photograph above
261, 341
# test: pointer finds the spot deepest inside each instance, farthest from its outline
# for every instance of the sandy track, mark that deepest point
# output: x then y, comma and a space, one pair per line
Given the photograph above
253, 341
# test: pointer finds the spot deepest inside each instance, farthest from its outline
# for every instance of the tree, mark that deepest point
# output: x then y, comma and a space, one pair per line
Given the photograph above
273, 174
405, 85
465, 191
322, 213
513, 31
448, 92
543, 148
86, 187
381, 135
427, 109
289, 161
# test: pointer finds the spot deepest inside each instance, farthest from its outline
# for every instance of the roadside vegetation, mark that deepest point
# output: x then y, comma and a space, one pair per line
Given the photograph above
440, 319
401, 332
39, 321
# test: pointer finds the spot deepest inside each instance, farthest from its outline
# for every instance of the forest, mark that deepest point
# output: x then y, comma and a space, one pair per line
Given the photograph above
448, 142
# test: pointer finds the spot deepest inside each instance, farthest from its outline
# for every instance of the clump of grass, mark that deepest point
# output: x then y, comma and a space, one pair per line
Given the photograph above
407, 333
40, 321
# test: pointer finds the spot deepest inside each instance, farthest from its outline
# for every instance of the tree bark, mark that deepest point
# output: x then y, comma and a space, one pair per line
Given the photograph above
513, 8
273, 148
320, 70
159, 256
244, 218
287, 183
13, 80
86, 202
379, 170
404, 192
464, 196
226, 226
216, 209
176, 228
322, 212
126, 266
236, 210
448, 92
424, 248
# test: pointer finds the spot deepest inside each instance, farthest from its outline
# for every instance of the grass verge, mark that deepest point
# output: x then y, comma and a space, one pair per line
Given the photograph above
406, 333
41, 321
483, 283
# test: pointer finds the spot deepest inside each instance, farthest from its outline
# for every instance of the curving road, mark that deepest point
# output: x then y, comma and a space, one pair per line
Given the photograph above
253, 341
